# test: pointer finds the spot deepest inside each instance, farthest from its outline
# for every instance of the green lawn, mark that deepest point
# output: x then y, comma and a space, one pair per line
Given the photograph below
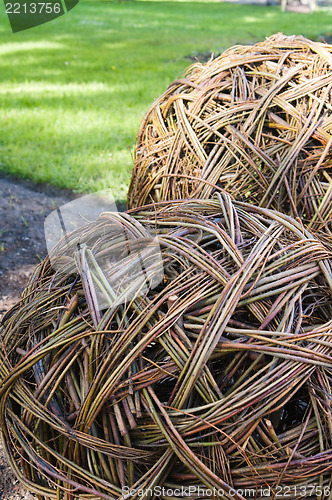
73, 91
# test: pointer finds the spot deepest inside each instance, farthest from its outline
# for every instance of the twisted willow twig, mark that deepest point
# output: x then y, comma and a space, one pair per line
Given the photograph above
220, 377
255, 121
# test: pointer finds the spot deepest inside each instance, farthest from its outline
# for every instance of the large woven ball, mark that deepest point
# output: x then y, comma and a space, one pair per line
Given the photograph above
255, 121
217, 381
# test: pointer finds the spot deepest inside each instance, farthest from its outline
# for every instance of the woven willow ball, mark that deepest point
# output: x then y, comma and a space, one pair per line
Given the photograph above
255, 121
218, 379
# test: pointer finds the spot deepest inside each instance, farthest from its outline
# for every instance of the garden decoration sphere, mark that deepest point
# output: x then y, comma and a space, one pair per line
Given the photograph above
255, 121
217, 379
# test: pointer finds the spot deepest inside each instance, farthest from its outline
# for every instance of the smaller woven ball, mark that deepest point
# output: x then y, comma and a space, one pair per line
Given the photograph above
255, 121
215, 379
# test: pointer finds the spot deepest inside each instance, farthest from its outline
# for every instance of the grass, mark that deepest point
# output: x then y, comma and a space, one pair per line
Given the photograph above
73, 91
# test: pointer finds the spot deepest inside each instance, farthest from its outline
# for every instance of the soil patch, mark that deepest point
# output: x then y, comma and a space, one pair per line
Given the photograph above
23, 208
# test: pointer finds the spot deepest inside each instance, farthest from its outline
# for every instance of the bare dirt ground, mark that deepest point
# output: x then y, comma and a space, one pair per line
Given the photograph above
23, 208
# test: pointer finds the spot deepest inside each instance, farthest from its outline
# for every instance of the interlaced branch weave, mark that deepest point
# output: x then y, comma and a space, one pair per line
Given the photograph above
219, 378
255, 121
